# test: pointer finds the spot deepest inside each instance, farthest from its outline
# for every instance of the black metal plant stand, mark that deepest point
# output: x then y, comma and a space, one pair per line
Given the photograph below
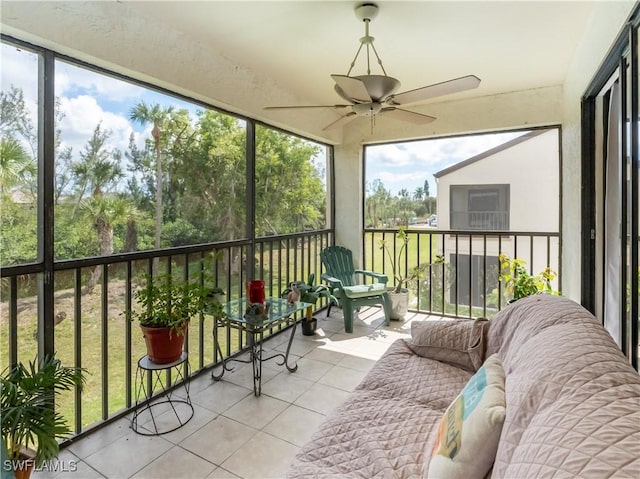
149, 379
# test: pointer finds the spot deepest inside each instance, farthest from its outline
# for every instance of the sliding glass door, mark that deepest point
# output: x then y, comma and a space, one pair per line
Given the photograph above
610, 193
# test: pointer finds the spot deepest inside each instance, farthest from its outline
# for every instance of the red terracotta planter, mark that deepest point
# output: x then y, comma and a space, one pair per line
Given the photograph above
163, 345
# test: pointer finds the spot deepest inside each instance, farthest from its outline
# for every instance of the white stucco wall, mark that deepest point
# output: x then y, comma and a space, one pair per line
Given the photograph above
606, 22
532, 170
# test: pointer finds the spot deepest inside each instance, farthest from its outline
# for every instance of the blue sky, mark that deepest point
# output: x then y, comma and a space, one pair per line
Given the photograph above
408, 165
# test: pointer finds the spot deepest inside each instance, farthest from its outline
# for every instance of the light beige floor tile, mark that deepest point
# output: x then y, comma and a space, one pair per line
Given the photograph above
357, 362
97, 440
311, 369
295, 425
276, 363
331, 325
127, 455
366, 347
80, 470
164, 417
218, 439
201, 382
321, 398
176, 463
255, 411
220, 473
287, 386
277, 339
66, 466
201, 416
301, 347
342, 378
242, 375
390, 335
264, 456
349, 342
325, 355
220, 396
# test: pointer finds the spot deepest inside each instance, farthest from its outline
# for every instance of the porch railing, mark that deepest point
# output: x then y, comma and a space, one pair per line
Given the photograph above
91, 326
462, 267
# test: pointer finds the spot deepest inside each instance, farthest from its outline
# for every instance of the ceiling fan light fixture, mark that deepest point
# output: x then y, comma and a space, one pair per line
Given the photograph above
367, 109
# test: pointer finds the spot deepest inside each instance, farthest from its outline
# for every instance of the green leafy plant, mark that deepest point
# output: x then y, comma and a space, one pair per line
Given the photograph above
413, 274
311, 293
168, 302
27, 398
519, 283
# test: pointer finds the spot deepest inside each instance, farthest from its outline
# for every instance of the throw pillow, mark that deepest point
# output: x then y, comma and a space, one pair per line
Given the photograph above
470, 429
460, 342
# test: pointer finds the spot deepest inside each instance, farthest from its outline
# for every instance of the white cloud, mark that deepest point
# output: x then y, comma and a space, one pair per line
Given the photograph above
82, 114
408, 165
20, 69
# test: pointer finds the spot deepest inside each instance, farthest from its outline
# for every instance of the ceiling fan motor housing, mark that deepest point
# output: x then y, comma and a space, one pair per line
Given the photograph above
367, 11
378, 86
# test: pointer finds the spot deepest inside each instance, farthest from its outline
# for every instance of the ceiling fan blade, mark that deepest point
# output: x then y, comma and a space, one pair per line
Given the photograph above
354, 88
406, 115
468, 82
340, 121
290, 107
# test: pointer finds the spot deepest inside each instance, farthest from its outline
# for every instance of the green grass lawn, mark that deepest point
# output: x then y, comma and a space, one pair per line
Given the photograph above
422, 249
107, 324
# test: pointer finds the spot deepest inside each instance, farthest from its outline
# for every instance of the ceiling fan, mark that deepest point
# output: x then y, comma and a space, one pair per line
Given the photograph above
371, 95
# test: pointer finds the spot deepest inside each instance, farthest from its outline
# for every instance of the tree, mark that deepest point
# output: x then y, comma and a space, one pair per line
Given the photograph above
17, 133
377, 203
158, 116
96, 173
16, 167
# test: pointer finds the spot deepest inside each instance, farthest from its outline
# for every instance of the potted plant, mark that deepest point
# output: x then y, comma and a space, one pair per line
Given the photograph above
519, 283
166, 307
28, 418
310, 293
399, 293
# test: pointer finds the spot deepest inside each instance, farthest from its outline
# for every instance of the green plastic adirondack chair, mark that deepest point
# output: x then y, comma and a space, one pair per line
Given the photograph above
349, 287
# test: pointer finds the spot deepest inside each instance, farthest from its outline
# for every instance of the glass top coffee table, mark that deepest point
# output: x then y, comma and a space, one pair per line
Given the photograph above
280, 313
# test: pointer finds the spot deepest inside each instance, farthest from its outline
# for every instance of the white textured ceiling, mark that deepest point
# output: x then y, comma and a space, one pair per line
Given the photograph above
511, 46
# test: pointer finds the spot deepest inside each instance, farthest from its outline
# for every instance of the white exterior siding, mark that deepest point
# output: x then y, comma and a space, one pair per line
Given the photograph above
531, 168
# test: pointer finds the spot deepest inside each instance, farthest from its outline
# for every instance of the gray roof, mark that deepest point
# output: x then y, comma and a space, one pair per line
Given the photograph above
491, 152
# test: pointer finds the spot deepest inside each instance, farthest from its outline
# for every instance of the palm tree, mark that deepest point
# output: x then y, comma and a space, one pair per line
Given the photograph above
16, 166
158, 116
105, 212
99, 170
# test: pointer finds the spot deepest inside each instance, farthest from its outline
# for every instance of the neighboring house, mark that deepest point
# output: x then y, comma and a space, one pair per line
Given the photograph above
514, 187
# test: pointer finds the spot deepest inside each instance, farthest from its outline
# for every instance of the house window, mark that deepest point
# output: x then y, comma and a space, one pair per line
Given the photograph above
480, 207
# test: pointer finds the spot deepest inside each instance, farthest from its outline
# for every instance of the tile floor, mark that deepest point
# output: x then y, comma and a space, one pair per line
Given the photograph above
233, 433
